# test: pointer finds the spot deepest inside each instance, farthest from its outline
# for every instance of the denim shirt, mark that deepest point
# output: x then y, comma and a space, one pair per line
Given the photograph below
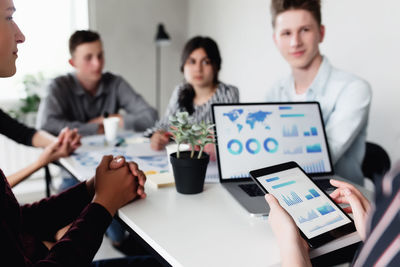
345, 101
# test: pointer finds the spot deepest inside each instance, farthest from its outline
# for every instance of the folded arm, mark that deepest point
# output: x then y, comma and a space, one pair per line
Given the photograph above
46, 217
139, 114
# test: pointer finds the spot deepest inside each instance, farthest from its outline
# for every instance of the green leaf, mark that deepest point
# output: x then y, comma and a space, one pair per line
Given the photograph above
185, 131
196, 127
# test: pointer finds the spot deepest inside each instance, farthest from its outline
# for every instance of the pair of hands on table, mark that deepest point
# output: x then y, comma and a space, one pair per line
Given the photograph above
116, 183
289, 240
54, 149
66, 143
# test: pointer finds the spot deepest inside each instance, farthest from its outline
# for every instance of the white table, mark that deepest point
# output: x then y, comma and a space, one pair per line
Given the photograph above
206, 229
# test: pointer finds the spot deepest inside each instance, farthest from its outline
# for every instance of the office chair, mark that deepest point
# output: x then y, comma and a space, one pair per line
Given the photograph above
376, 162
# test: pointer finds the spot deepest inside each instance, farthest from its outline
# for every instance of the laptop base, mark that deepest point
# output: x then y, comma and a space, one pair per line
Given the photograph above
256, 206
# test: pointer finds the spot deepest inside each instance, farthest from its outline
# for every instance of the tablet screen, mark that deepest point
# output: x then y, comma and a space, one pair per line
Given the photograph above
313, 212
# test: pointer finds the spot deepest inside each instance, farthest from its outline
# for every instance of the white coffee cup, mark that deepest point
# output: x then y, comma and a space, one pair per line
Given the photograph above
111, 128
172, 148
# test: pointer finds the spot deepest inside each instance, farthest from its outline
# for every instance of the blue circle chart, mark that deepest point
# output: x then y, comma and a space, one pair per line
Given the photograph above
255, 141
239, 149
274, 147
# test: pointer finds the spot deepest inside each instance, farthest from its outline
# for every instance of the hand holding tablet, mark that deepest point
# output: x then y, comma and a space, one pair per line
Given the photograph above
318, 218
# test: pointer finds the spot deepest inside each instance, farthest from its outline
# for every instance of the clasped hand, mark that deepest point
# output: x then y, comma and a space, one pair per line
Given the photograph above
67, 142
117, 182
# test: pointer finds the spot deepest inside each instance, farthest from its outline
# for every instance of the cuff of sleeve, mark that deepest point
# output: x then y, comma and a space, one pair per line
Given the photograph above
77, 196
93, 221
29, 137
129, 121
99, 215
140, 121
88, 129
88, 197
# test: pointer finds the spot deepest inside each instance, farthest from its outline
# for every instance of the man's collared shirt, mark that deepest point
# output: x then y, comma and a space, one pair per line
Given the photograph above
68, 104
345, 101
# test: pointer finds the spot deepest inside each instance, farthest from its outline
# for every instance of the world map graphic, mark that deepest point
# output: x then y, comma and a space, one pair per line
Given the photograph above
238, 117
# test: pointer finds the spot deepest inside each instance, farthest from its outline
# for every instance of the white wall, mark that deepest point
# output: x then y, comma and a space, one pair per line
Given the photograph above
362, 37
362, 40
128, 28
45, 49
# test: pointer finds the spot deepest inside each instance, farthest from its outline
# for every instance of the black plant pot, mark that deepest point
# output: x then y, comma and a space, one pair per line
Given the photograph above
189, 172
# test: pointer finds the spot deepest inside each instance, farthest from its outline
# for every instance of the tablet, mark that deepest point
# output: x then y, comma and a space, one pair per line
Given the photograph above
318, 217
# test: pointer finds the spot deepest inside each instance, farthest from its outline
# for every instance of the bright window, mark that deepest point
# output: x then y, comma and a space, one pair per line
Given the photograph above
47, 25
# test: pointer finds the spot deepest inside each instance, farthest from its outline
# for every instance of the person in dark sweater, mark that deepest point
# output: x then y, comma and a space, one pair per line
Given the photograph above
88, 207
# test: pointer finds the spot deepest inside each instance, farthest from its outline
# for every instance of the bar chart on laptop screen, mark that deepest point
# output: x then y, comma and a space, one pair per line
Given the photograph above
259, 135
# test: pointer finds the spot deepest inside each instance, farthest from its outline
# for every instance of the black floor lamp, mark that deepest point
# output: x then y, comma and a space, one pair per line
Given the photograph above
162, 39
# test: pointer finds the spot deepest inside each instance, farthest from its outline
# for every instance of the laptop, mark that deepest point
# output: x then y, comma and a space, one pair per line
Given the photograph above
255, 135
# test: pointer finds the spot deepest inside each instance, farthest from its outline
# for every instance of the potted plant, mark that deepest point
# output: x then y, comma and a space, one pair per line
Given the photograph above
29, 106
190, 167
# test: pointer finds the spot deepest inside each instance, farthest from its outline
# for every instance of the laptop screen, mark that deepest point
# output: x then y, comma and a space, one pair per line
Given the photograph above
255, 135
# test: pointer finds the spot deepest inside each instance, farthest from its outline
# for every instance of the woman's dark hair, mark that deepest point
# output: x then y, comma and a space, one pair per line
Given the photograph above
186, 96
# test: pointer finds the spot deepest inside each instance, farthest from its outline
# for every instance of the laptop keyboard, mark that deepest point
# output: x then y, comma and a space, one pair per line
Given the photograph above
252, 190
325, 185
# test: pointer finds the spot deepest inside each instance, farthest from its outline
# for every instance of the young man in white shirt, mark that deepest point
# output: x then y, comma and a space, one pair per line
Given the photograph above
344, 98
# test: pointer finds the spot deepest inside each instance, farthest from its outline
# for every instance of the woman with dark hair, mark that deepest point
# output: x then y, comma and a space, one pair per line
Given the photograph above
200, 64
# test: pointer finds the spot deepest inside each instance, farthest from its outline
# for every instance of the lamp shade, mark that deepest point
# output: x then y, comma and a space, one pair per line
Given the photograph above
162, 36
